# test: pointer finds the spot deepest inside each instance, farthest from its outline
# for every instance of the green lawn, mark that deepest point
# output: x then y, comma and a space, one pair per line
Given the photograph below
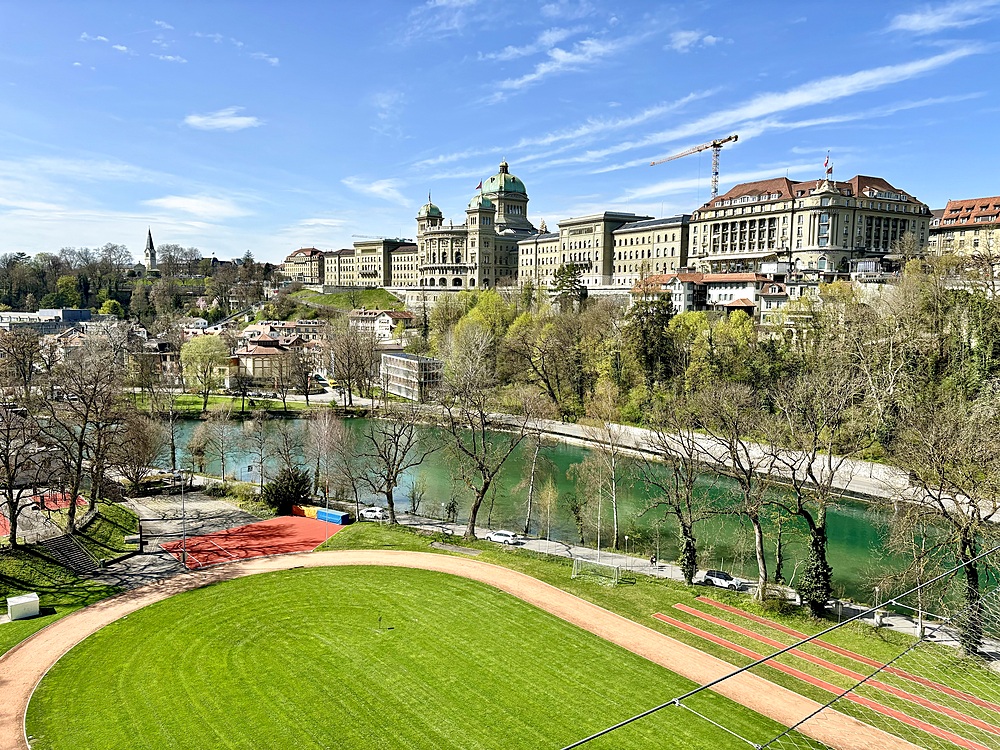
373, 299
361, 658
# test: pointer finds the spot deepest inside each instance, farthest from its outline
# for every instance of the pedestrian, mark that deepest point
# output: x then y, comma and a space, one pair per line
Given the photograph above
652, 561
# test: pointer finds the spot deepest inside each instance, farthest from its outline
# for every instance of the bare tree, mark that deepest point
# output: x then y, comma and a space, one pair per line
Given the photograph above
392, 445
819, 426
257, 440
951, 451
675, 482
288, 443
323, 438
136, 447
21, 355
480, 438
731, 415
22, 462
219, 435
78, 427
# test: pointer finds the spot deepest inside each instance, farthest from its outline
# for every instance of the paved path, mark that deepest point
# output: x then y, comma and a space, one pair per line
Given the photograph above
23, 667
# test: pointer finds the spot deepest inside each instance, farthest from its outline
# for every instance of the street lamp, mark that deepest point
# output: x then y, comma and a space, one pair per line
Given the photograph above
627, 567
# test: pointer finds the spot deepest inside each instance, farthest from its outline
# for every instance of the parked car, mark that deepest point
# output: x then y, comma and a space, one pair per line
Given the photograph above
722, 579
502, 537
374, 513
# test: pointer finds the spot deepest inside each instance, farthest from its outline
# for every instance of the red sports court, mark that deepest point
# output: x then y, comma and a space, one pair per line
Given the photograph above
276, 536
56, 500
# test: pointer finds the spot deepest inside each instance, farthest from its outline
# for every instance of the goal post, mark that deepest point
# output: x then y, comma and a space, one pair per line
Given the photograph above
606, 573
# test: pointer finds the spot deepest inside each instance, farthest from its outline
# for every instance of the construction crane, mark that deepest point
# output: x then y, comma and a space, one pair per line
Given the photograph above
716, 147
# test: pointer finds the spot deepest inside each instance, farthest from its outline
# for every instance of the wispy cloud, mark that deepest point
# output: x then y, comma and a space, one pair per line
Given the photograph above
668, 187
820, 91
77, 65
584, 54
387, 190
217, 38
227, 119
269, 59
545, 41
439, 18
119, 47
164, 25
168, 58
567, 9
685, 41
202, 206
85, 37
590, 128
953, 15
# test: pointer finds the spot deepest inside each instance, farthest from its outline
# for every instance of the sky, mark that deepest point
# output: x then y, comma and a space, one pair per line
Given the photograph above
268, 126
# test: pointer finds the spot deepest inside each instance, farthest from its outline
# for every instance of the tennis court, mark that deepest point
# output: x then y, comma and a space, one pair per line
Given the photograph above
276, 536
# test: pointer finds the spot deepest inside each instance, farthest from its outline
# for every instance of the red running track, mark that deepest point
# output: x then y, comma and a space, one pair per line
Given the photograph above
56, 500
828, 687
968, 697
276, 536
884, 687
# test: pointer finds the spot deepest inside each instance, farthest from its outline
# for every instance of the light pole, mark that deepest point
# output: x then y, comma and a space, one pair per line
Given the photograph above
627, 566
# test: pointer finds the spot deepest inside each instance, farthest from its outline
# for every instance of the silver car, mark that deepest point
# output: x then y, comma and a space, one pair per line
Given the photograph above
374, 513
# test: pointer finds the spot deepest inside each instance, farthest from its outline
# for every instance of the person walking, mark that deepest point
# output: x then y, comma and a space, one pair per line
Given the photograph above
652, 561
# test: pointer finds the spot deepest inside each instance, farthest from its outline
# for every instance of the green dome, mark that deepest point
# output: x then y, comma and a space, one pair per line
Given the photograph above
504, 181
480, 201
429, 210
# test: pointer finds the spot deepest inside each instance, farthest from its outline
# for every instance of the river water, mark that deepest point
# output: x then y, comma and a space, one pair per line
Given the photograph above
856, 548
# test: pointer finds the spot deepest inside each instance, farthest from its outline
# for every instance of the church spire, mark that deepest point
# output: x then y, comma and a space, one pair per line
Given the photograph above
150, 255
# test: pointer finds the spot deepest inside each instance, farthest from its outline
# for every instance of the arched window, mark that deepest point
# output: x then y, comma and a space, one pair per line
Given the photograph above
458, 257
456, 282
443, 282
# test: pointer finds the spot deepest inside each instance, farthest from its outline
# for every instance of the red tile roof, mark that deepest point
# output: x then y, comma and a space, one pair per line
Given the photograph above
971, 211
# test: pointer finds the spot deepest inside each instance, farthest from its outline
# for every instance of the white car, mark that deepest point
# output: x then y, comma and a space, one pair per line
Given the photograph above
374, 513
723, 580
502, 537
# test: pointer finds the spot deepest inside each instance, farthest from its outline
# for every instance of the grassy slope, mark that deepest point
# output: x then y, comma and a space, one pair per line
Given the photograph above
371, 298
359, 658
59, 590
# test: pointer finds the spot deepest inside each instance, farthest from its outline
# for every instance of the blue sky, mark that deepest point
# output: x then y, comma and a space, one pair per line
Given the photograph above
270, 126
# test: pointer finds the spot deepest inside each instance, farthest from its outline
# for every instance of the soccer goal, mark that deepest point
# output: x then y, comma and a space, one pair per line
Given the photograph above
605, 573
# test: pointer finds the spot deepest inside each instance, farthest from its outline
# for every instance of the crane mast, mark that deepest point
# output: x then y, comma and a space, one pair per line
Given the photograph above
716, 147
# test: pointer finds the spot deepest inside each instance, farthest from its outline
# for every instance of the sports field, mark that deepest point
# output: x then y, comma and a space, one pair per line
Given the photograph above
360, 657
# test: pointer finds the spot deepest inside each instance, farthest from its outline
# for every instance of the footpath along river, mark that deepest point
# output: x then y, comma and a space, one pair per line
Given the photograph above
855, 528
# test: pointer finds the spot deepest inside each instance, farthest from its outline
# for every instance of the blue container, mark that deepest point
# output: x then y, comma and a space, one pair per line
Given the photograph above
333, 516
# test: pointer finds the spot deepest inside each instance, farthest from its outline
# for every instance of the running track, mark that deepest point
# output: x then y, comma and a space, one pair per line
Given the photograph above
24, 666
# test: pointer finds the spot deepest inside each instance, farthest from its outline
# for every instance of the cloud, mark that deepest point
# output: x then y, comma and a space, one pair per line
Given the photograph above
584, 53
217, 38
227, 119
77, 65
588, 129
85, 37
439, 18
819, 91
388, 106
667, 187
546, 40
201, 206
567, 10
685, 41
163, 25
954, 15
119, 47
387, 190
168, 58
269, 59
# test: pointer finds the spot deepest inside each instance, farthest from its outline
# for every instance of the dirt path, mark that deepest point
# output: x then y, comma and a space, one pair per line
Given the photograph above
23, 667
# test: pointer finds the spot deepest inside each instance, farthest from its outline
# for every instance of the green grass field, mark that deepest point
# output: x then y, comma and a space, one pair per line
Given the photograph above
360, 658
372, 299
